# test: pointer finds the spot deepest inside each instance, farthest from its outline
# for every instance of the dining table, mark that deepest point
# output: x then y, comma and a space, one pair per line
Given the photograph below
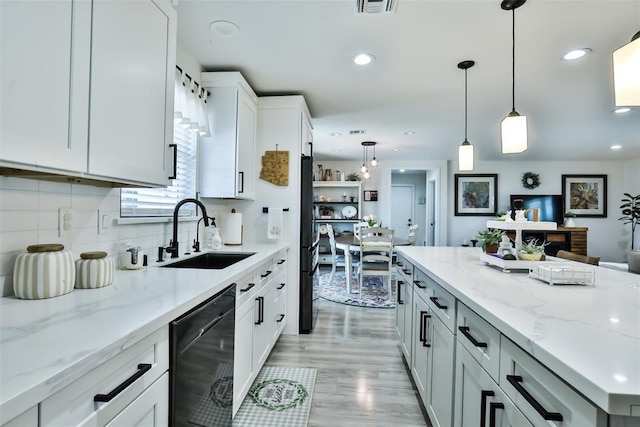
350, 243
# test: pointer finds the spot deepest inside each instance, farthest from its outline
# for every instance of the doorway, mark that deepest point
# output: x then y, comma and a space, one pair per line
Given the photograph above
408, 202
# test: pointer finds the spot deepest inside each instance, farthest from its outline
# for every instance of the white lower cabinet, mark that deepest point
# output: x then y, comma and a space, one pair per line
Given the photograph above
404, 307
420, 345
28, 418
478, 399
104, 394
439, 397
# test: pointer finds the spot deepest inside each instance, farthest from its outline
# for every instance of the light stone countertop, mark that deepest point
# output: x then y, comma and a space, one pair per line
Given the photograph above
47, 344
588, 335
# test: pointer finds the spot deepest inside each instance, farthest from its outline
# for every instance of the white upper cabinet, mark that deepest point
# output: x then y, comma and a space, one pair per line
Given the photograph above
87, 89
227, 157
306, 137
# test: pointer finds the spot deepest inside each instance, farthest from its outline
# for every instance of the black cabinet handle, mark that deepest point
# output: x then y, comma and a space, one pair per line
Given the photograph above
399, 264
417, 283
435, 301
493, 407
241, 182
516, 381
142, 368
424, 316
281, 286
465, 332
406, 271
249, 286
281, 318
282, 261
265, 274
483, 406
260, 310
400, 282
174, 175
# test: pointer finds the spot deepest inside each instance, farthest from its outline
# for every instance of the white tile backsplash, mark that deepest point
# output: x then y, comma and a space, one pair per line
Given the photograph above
29, 215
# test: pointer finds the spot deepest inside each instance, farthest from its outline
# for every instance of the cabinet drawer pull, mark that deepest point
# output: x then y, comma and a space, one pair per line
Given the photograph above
435, 301
174, 175
282, 261
417, 283
281, 286
493, 407
260, 310
406, 271
483, 406
516, 381
265, 274
249, 286
400, 282
465, 332
399, 264
281, 318
424, 316
241, 182
142, 368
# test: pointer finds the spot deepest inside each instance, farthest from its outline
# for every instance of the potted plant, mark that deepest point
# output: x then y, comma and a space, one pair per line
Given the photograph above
532, 251
568, 219
353, 177
490, 239
630, 208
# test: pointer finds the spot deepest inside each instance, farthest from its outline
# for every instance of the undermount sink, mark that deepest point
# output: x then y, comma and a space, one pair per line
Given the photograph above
212, 260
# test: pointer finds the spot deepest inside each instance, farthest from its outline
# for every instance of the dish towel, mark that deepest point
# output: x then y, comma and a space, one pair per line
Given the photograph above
274, 224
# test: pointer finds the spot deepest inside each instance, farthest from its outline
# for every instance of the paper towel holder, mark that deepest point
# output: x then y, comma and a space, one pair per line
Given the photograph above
266, 210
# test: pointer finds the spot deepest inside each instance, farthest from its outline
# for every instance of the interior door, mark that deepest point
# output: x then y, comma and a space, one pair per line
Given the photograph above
402, 211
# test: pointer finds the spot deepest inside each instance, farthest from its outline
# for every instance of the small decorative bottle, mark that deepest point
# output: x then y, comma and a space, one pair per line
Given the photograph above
216, 240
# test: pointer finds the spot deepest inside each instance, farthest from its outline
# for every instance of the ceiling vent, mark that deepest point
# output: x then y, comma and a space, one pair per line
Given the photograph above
357, 132
375, 6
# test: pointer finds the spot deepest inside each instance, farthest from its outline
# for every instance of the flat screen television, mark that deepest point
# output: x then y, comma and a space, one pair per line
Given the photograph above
550, 206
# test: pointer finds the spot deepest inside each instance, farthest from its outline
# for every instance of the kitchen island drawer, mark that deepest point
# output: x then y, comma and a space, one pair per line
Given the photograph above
101, 394
541, 396
404, 269
441, 302
480, 338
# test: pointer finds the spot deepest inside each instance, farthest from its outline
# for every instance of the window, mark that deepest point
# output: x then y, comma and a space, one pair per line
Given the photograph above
157, 202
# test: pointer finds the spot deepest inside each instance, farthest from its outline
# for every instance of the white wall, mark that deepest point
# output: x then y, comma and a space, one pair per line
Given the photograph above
605, 238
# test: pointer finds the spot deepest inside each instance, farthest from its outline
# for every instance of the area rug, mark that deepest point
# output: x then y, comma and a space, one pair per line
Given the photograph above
279, 397
374, 292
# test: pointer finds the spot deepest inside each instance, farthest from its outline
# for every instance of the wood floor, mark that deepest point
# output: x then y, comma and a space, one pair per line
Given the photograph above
362, 379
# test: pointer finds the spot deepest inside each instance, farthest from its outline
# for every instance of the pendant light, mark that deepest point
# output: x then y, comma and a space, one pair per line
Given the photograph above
465, 150
374, 162
514, 126
626, 73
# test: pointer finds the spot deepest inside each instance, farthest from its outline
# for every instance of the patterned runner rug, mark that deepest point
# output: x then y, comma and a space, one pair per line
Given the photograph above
374, 291
279, 397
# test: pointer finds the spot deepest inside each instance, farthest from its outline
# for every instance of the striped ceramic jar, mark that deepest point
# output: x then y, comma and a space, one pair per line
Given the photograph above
94, 273
43, 274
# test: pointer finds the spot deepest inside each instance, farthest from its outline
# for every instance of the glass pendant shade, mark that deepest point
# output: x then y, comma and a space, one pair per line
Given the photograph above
363, 168
465, 156
626, 73
374, 162
366, 175
514, 133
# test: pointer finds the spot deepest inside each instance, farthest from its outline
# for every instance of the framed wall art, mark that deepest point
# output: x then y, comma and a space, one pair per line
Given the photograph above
371, 196
476, 194
585, 195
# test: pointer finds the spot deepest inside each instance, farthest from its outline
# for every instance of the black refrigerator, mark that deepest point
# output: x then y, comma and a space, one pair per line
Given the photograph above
308, 251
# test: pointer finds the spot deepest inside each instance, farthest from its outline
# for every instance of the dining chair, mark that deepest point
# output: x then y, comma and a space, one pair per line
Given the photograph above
337, 259
357, 227
577, 257
376, 255
413, 234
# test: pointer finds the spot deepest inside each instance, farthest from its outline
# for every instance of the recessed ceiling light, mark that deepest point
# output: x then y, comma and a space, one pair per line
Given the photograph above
616, 147
224, 28
622, 110
410, 132
363, 59
614, 320
337, 150
336, 134
576, 53
396, 150
401, 170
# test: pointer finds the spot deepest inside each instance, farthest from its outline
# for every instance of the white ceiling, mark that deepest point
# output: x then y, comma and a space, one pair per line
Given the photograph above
306, 46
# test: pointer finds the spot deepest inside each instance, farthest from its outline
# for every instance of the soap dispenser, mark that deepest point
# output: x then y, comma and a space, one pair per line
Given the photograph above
216, 240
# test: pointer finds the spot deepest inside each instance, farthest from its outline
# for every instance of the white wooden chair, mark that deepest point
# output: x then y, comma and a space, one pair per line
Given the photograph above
357, 227
413, 234
337, 260
376, 255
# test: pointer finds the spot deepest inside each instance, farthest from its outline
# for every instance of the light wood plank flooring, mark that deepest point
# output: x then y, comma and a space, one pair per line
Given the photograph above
362, 379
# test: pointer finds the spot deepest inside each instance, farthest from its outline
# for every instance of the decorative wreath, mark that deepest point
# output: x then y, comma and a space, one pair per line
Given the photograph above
530, 180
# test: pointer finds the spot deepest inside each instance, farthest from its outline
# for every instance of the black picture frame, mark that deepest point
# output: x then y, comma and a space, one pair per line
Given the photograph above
476, 194
585, 195
371, 196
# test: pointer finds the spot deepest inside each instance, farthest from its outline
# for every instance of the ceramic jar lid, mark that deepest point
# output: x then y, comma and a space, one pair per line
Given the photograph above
45, 247
93, 255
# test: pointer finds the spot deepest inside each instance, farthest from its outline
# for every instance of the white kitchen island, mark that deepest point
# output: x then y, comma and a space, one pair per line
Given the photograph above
48, 345
587, 336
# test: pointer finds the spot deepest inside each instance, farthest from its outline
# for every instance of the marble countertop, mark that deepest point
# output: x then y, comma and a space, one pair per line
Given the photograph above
588, 335
47, 344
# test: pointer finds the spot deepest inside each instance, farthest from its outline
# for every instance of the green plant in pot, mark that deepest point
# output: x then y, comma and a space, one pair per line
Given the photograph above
490, 239
630, 209
568, 219
532, 251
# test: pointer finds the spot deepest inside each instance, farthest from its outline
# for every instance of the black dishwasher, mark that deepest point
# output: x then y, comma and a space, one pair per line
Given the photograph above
201, 358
